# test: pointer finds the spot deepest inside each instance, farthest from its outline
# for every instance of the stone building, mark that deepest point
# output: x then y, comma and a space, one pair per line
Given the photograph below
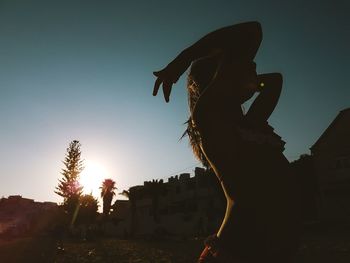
182, 206
331, 156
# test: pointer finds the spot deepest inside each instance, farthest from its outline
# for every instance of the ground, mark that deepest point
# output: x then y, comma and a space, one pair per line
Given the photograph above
314, 249
101, 250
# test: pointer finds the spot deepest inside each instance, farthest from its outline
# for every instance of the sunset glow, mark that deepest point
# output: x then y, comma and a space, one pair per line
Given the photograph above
92, 176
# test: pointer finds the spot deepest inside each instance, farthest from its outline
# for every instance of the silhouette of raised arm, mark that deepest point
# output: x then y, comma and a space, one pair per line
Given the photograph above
270, 86
239, 42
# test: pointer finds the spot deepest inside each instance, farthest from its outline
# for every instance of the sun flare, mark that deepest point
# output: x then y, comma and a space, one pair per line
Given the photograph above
92, 177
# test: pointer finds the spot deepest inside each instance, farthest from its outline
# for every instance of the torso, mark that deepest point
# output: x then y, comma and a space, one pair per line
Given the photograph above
256, 177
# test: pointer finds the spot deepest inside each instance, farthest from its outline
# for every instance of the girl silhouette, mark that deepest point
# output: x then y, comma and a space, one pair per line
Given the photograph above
261, 222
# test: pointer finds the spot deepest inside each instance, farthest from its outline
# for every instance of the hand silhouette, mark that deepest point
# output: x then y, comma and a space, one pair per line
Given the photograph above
169, 75
167, 84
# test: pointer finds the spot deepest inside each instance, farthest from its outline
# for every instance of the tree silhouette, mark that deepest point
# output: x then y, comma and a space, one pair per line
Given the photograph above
107, 193
125, 193
87, 209
69, 187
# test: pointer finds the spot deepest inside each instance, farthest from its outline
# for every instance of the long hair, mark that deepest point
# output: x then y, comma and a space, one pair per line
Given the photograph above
201, 74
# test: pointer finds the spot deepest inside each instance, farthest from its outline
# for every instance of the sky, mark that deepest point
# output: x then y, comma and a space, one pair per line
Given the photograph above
82, 70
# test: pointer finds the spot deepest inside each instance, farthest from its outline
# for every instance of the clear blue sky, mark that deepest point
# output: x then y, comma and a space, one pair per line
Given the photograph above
83, 70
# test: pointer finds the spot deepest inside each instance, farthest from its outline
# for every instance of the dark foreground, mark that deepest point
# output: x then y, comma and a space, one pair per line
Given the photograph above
99, 250
318, 249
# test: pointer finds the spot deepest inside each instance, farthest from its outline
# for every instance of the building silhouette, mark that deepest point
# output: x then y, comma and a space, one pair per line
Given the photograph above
182, 206
21, 216
331, 158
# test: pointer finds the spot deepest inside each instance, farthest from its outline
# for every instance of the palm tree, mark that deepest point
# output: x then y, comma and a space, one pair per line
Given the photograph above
107, 193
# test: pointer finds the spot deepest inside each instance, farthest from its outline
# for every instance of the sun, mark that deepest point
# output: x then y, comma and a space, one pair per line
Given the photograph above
92, 177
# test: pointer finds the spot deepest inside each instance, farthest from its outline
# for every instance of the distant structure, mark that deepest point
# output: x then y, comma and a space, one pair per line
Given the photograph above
182, 206
20, 216
331, 158
304, 172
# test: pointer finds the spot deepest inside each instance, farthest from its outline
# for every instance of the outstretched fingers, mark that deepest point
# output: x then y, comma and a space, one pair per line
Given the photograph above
167, 90
165, 82
156, 86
